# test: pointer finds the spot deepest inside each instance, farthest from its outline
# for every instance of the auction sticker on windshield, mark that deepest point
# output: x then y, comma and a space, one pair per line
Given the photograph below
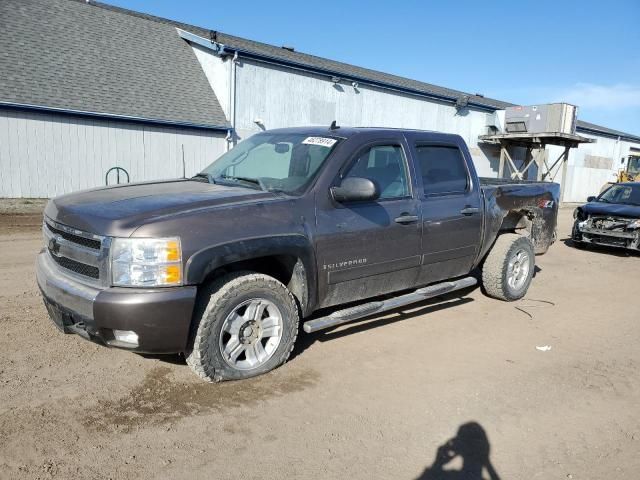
322, 141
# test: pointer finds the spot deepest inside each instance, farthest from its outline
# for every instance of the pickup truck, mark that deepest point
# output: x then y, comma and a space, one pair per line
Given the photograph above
316, 225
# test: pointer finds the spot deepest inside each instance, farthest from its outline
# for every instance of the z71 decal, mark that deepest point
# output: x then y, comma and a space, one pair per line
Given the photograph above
545, 203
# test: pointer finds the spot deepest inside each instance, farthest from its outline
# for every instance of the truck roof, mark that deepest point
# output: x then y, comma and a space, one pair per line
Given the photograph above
346, 132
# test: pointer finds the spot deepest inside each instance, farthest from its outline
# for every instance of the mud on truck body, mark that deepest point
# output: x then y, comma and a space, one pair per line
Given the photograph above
291, 225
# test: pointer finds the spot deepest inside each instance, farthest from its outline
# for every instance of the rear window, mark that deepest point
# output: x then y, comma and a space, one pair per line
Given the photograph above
443, 169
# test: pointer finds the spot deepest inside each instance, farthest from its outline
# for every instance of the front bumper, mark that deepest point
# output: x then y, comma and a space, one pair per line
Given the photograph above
160, 317
628, 240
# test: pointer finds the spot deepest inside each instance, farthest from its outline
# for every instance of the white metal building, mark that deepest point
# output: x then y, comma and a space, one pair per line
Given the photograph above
97, 86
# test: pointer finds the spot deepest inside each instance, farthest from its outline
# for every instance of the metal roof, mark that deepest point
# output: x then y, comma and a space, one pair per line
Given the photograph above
593, 128
69, 56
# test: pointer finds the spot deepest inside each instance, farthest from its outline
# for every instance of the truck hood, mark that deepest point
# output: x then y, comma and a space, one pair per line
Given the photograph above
120, 210
611, 209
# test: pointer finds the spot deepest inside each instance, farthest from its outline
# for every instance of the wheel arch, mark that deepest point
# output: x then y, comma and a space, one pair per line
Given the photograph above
287, 258
500, 222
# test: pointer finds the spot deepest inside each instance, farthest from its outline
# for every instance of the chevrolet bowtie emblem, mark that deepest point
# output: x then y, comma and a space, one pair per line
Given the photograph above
54, 246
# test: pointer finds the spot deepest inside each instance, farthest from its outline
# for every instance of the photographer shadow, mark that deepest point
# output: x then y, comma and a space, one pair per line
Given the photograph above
471, 447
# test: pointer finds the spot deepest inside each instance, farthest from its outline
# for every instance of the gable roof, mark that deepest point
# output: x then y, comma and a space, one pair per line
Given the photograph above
71, 56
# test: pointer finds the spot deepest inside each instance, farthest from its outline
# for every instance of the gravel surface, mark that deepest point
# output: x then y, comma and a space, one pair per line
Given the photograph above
375, 399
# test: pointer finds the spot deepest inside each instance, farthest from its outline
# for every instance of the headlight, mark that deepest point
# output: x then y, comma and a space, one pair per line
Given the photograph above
146, 262
634, 224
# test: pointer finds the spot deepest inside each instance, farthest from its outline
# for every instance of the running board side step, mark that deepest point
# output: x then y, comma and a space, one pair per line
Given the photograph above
359, 311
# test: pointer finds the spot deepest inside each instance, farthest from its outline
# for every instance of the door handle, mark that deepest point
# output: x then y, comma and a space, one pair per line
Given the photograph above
469, 210
406, 217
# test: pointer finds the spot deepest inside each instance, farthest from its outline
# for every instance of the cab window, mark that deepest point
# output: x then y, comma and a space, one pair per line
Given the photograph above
385, 166
442, 168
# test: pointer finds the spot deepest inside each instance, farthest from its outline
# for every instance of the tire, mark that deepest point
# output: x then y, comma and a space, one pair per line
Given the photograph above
499, 268
234, 314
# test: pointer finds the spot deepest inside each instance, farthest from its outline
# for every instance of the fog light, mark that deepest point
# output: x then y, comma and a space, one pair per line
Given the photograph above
126, 336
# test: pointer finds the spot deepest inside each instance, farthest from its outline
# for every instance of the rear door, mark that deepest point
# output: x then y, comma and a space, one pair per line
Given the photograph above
368, 248
451, 206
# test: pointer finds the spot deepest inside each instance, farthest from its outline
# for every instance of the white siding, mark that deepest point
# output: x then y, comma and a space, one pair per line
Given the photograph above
44, 154
583, 180
218, 73
282, 97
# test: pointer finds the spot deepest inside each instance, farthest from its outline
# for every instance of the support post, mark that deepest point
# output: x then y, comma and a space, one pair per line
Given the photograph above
515, 173
563, 182
528, 159
541, 161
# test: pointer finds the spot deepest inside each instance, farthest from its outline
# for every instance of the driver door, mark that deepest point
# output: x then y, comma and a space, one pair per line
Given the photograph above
372, 247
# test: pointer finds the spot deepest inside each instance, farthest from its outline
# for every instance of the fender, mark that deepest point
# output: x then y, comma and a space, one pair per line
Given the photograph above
208, 259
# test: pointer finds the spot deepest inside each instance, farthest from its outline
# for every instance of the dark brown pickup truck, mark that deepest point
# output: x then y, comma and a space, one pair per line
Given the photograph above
291, 224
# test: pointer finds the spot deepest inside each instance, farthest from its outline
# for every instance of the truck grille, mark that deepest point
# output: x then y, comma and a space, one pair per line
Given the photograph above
85, 242
77, 267
77, 252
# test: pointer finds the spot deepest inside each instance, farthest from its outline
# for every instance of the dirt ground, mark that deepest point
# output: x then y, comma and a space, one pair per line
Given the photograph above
375, 399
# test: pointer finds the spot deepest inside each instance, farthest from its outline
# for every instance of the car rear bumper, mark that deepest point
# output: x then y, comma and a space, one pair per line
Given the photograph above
160, 318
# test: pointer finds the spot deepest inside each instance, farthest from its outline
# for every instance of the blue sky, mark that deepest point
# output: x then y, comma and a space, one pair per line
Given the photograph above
583, 52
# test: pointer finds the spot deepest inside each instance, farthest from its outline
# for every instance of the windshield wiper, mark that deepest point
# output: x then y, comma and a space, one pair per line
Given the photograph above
253, 181
603, 200
204, 175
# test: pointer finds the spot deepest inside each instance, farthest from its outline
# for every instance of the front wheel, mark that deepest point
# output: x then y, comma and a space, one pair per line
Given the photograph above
246, 325
508, 269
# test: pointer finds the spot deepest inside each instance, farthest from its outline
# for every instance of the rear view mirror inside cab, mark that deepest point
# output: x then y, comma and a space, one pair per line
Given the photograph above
282, 147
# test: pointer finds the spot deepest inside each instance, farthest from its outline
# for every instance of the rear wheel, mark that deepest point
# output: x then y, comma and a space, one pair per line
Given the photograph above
247, 324
508, 269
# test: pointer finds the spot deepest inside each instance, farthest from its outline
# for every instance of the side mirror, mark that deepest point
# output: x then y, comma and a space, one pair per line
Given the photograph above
355, 189
591, 198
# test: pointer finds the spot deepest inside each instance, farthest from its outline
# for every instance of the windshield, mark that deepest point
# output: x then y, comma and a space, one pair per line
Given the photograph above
283, 162
634, 165
625, 194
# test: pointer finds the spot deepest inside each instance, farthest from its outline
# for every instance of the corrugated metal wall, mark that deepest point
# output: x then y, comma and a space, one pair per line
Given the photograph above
591, 166
283, 97
45, 154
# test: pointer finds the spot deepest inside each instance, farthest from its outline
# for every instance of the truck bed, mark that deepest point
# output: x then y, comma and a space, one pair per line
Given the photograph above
504, 196
490, 181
